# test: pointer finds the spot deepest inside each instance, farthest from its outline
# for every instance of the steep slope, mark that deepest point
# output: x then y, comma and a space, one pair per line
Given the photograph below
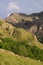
18, 39
32, 23
9, 58
9, 31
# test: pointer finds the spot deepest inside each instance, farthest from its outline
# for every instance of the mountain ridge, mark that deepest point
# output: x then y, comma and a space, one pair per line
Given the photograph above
32, 23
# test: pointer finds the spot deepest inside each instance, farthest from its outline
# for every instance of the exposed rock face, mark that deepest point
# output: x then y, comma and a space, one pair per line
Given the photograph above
33, 22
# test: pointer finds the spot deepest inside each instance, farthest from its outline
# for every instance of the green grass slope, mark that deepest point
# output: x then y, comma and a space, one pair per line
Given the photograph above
9, 58
22, 48
9, 31
20, 41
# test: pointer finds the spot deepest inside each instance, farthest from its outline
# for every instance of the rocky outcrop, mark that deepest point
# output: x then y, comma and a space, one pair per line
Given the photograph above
32, 23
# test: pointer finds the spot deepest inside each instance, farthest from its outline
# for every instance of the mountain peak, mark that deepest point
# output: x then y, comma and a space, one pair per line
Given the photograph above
14, 14
27, 15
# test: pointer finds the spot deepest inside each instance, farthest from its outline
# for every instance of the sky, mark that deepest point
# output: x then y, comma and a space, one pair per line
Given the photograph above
20, 6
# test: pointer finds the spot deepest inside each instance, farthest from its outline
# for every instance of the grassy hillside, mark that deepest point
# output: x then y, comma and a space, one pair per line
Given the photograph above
22, 48
20, 41
9, 58
18, 34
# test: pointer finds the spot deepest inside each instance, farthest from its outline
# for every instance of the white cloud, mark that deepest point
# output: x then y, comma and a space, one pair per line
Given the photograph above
13, 5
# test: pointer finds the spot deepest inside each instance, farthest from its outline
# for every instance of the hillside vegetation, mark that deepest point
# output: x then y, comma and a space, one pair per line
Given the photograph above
21, 40
22, 48
18, 34
9, 58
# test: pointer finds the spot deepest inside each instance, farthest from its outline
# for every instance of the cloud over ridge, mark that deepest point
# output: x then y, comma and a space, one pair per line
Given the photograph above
13, 5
